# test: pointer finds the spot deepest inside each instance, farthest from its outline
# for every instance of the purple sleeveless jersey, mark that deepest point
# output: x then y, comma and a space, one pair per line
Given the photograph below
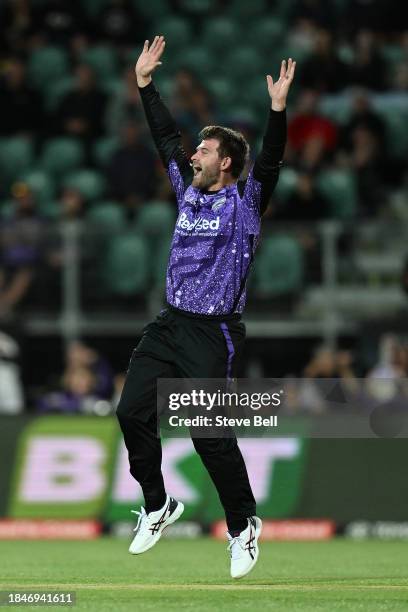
214, 241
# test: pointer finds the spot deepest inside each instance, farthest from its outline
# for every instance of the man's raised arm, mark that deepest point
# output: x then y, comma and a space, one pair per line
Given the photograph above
268, 162
163, 128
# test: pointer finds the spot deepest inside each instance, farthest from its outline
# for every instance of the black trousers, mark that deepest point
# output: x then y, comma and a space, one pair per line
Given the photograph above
176, 345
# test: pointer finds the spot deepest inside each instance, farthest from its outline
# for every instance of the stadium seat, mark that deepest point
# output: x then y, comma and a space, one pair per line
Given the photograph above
395, 117
156, 219
160, 262
6, 209
286, 184
244, 9
256, 96
126, 265
196, 59
339, 187
55, 91
41, 184
265, 33
197, 7
46, 65
241, 62
16, 157
103, 60
93, 7
222, 89
220, 33
103, 149
90, 183
61, 156
153, 10
178, 32
279, 266
337, 108
107, 216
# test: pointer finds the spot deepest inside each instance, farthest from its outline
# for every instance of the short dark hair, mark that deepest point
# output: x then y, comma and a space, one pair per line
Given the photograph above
232, 144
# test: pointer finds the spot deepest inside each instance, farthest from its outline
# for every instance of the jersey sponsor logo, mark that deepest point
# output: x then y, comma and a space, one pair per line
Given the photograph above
218, 203
198, 224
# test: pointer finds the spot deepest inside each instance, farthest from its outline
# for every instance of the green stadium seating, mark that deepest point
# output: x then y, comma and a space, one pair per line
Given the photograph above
279, 267
90, 183
160, 262
56, 90
177, 31
197, 59
265, 34
222, 90
153, 10
255, 96
197, 7
244, 9
6, 209
62, 156
220, 34
93, 7
337, 108
103, 60
103, 149
241, 62
106, 217
41, 184
286, 184
395, 117
126, 265
46, 65
339, 187
16, 157
156, 218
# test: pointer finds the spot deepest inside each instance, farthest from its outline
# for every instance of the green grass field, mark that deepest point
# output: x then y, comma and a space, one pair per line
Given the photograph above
194, 575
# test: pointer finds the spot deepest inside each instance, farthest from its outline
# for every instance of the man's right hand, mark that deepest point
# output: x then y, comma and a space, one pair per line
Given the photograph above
149, 60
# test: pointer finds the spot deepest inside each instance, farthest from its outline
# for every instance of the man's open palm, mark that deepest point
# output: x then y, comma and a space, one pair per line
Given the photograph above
149, 58
278, 91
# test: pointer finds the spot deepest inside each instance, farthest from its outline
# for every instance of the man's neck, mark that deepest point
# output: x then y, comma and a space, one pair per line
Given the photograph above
221, 184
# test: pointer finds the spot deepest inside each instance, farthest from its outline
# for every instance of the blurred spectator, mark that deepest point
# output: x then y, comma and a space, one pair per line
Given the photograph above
16, 24
313, 13
81, 112
11, 388
77, 393
57, 21
21, 106
119, 23
367, 160
71, 204
20, 241
324, 71
363, 116
79, 355
128, 164
389, 364
311, 137
125, 105
368, 68
192, 104
306, 203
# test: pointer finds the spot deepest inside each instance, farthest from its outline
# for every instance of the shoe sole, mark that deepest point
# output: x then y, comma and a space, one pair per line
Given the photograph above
258, 530
172, 519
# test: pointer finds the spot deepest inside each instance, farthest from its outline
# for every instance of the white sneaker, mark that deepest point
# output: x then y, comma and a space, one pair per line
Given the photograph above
244, 548
150, 526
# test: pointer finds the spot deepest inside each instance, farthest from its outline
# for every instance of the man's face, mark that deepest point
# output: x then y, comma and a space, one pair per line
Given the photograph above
207, 164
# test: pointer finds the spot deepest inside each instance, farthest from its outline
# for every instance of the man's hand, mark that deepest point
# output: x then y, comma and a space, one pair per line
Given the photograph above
279, 90
149, 60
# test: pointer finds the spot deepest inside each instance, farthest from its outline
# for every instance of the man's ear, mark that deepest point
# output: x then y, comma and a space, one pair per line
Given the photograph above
226, 164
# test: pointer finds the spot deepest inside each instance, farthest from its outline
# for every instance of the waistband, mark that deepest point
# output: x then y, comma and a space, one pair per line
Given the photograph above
236, 316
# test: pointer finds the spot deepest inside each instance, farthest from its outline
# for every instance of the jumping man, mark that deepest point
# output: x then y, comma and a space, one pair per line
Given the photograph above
199, 334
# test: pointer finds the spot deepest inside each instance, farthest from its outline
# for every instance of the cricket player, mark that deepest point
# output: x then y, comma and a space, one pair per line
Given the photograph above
199, 334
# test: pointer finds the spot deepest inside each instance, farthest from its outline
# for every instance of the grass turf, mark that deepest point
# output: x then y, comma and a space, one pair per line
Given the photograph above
194, 575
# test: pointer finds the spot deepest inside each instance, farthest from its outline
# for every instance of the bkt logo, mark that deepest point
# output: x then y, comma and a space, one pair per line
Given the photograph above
198, 224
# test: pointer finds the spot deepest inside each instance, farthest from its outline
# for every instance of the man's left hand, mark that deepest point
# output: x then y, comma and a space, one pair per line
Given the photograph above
278, 91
